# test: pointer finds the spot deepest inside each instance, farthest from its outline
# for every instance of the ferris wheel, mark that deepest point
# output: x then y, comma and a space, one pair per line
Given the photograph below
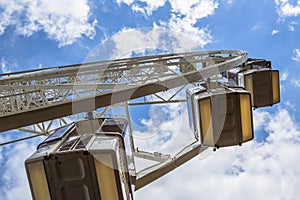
72, 105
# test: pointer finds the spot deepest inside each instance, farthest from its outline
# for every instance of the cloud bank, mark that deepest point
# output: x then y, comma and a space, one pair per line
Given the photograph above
62, 21
185, 16
287, 8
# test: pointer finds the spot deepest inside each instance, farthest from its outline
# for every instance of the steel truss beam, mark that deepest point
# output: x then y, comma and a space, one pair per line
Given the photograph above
36, 96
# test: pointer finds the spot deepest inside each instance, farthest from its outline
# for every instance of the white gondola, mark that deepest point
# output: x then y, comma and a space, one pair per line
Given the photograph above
221, 116
72, 165
262, 81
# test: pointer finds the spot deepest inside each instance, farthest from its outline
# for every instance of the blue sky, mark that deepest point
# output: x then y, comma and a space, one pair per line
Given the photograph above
36, 34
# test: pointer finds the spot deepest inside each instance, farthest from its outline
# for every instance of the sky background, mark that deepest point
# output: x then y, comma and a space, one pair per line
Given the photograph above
36, 34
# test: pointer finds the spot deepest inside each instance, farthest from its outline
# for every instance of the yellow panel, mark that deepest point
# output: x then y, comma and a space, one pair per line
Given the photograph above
206, 122
246, 117
106, 177
38, 180
249, 85
275, 86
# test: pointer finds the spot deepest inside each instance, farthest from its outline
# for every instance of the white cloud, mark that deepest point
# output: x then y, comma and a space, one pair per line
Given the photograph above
295, 82
290, 105
128, 2
63, 21
292, 25
296, 56
153, 5
137, 40
291, 28
150, 5
148, 40
194, 9
167, 130
274, 32
286, 8
201, 36
284, 76
13, 170
137, 8
10, 8
4, 68
260, 118
229, 2
184, 16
